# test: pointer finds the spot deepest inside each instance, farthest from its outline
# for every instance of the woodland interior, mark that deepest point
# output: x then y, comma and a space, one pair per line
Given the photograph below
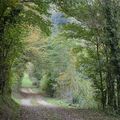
59, 59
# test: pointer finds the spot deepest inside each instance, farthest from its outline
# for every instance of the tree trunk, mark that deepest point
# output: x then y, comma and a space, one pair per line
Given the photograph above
118, 93
112, 41
101, 77
4, 79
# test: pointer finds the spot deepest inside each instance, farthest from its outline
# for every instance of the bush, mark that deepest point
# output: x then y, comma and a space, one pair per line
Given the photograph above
47, 85
84, 94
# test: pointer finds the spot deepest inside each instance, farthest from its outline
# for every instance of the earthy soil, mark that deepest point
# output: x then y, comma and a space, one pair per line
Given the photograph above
34, 107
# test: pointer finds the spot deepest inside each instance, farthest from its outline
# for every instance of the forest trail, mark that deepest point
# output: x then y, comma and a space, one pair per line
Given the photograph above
31, 98
35, 107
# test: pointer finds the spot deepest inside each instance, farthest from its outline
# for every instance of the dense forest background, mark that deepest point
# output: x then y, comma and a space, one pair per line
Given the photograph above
69, 50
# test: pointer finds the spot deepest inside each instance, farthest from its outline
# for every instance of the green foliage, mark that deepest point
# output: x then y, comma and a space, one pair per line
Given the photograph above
98, 33
83, 94
47, 85
15, 18
31, 15
26, 82
81, 64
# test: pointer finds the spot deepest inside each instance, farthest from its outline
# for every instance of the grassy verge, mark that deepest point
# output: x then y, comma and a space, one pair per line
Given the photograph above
59, 102
17, 100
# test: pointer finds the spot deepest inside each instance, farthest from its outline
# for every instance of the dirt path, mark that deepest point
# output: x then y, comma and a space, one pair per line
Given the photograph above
34, 107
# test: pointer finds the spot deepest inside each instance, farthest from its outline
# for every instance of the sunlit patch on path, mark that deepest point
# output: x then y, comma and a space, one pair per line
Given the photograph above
26, 102
31, 98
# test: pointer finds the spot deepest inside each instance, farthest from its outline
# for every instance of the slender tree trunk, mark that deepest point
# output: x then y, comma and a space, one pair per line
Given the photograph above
118, 93
4, 79
101, 77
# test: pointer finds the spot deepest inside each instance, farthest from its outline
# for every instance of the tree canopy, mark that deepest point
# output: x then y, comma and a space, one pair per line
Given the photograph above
70, 49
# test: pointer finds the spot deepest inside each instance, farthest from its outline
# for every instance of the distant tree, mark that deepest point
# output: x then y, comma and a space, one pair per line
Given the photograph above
97, 24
